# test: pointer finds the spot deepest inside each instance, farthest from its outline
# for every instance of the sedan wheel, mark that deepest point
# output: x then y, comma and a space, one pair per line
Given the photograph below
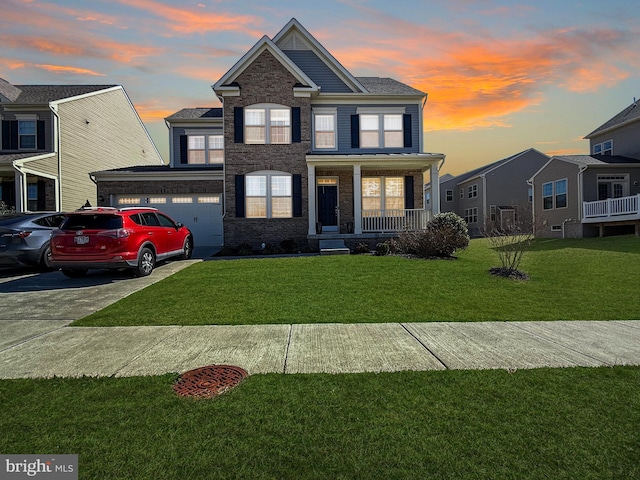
45, 260
146, 263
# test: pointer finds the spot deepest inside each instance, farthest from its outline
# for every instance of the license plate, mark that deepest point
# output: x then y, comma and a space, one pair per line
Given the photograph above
83, 240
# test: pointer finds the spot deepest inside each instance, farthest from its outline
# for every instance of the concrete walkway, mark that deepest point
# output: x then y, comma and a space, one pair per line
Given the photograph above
46, 348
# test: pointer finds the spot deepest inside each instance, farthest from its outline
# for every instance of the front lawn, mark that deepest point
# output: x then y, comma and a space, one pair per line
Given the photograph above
575, 423
580, 279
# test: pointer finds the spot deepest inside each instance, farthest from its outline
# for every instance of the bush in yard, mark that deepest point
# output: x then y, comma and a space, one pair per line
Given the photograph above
442, 237
361, 248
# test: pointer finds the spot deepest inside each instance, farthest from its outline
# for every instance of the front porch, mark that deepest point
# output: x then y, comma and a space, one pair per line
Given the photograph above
613, 211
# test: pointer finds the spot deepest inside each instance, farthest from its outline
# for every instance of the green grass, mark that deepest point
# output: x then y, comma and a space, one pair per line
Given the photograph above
574, 423
580, 279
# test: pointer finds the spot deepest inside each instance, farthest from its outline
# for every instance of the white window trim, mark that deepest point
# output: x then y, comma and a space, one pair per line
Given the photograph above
383, 190
554, 194
381, 112
268, 174
207, 149
602, 149
473, 190
325, 111
267, 107
448, 196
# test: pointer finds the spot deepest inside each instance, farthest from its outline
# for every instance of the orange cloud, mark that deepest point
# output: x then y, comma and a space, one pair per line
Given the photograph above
181, 19
150, 112
67, 69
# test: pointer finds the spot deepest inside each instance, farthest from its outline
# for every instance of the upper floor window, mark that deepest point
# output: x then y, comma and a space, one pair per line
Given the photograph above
204, 149
27, 134
554, 194
268, 195
269, 124
604, 148
324, 129
381, 131
449, 196
473, 190
24, 133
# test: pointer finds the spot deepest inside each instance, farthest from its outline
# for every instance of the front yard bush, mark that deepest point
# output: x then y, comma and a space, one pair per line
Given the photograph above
442, 237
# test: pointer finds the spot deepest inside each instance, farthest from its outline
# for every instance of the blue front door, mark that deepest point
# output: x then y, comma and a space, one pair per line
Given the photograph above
328, 207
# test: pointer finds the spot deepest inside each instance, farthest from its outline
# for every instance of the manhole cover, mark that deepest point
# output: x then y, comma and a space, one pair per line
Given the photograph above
207, 382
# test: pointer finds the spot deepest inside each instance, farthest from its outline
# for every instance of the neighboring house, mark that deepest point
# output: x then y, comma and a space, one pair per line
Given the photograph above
597, 194
191, 188
493, 195
53, 136
310, 152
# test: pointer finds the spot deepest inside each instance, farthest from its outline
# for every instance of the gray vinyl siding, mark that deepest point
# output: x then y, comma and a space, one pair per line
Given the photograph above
99, 132
317, 71
626, 140
545, 219
344, 130
590, 180
180, 131
44, 115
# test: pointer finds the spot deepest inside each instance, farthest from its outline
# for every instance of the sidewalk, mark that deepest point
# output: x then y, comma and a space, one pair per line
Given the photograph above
44, 348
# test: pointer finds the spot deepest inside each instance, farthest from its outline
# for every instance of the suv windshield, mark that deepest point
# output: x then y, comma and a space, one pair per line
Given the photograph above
92, 222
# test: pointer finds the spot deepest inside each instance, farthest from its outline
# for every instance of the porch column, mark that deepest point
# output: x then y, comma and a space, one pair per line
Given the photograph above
357, 200
20, 181
435, 189
311, 187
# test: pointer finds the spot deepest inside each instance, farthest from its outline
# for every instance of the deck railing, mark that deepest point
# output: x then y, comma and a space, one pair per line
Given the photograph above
390, 221
611, 207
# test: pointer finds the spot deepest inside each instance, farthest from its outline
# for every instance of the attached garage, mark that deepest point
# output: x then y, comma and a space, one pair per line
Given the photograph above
192, 196
201, 213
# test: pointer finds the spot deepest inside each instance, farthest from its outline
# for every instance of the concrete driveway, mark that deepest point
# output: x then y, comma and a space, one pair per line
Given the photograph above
34, 303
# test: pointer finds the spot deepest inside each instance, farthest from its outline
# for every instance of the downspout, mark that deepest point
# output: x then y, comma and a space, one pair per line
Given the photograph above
484, 202
533, 206
580, 199
56, 133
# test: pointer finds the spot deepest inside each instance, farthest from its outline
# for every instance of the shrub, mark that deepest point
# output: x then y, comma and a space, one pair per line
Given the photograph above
361, 248
289, 246
442, 237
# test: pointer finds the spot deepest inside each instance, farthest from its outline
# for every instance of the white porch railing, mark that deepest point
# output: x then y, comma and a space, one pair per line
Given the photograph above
394, 220
611, 207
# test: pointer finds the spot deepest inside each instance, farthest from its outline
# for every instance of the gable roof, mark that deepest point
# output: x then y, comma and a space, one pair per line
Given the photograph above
478, 172
387, 86
628, 115
586, 160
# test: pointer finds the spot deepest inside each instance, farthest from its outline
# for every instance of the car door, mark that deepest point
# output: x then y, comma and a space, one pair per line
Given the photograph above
172, 232
156, 233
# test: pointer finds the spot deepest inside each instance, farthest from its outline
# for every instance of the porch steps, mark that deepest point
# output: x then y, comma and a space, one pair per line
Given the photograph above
333, 247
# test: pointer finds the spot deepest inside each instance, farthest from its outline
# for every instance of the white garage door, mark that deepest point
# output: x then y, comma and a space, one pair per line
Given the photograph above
201, 213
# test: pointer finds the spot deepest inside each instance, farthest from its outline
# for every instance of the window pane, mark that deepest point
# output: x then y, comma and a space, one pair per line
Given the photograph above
369, 122
325, 140
27, 141
371, 203
325, 123
216, 156
393, 203
256, 185
254, 117
255, 134
561, 187
369, 139
281, 186
281, 207
371, 187
196, 157
280, 117
196, 142
561, 200
547, 203
393, 139
547, 189
280, 134
393, 122
27, 127
256, 207
216, 142
394, 187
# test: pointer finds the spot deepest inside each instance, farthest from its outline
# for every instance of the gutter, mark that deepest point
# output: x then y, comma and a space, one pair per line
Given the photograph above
56, 143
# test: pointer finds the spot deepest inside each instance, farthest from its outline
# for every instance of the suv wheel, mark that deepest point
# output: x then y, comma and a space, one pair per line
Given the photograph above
146, 263
78, 273
187, 250
45, 260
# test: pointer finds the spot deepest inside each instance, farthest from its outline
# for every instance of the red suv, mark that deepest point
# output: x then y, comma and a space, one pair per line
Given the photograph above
134, 238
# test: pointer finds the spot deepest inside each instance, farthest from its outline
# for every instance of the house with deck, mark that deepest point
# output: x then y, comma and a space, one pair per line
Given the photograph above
301, 151
596, 194
53, 136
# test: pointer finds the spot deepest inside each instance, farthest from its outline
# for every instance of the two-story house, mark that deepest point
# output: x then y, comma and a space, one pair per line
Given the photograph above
53, 136
494, 195
301, 150
597, 194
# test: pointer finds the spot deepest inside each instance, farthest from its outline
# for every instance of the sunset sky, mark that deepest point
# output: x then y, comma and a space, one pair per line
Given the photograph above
502, 76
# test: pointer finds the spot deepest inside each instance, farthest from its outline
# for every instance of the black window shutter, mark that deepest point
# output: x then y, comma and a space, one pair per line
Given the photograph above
14, 135
296, 126
406, 124
408, 192
238, 125
184, 149
297, 195
40, 131
239, 196
6, 135
355, 131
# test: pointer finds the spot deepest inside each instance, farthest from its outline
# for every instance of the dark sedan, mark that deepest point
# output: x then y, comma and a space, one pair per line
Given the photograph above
24, 238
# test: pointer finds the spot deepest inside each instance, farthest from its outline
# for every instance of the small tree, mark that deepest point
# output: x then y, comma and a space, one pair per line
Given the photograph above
511, 238
443, 235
